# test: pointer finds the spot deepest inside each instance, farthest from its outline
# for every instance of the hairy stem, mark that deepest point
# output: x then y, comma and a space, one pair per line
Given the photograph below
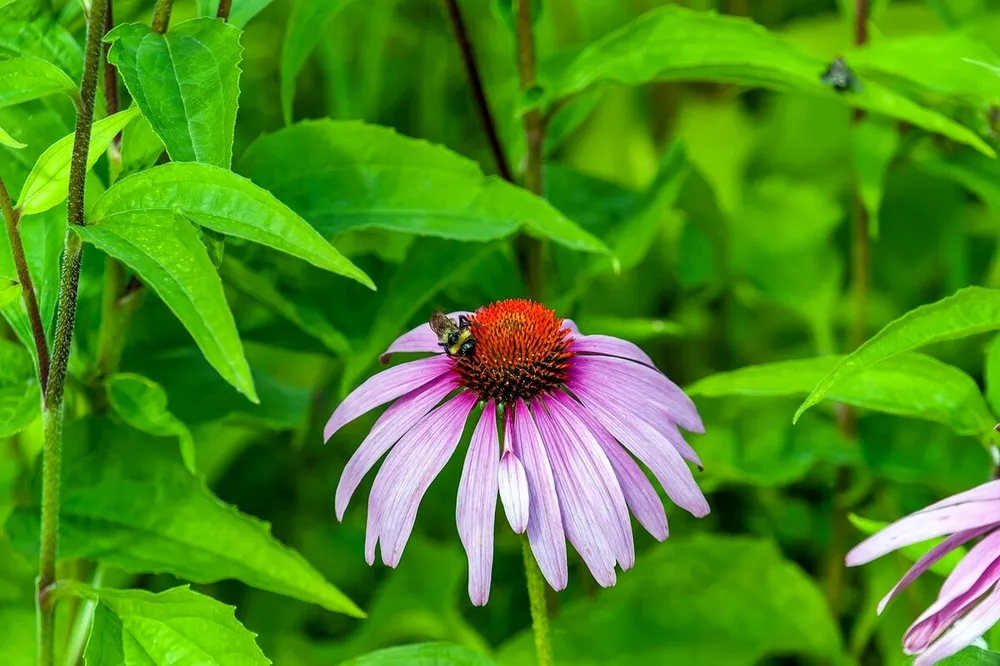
530, 249
161, 15
12, 220
68, 290
476, 84
539, 610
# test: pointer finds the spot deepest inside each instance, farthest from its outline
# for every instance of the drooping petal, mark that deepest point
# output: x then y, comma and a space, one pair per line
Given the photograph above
545, 526
590, 467
513, 484
976, 623
385, 387
643, 384
393, 424
606, 345
418, 339
477, 503
983, 492
925, 525
650, 447
932, 557
410, 468
640, 495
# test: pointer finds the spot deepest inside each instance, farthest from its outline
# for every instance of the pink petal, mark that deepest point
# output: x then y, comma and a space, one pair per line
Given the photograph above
640, 495
606, 345
419, 339
962, 635
410, 468
932, 557
646, 385
590, 468
393, 424
571, 326
545, 526
985, 491
513, 484
385, 387
924, 525
477, 502
649, 446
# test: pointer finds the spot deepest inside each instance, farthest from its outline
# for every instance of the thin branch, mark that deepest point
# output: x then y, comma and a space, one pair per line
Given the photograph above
12, 218
534, 133
161, 15
111, 74
224, 7
476, 84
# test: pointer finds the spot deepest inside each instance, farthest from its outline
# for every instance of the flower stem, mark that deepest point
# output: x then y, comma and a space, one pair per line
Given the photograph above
161, 15
12, 219
68, 290
539, 609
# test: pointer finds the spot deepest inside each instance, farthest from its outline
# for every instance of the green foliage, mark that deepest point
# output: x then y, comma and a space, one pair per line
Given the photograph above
142, 404
8, 140
27, 78
19, 398
429, 654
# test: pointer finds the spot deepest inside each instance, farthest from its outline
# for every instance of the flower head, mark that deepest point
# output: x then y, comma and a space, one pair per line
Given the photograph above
969, 601
574, 410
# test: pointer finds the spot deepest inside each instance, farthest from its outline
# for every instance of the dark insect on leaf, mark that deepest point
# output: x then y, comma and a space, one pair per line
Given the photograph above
840, 77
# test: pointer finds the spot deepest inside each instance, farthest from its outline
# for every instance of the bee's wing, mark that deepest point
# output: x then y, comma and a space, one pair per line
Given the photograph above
441, 324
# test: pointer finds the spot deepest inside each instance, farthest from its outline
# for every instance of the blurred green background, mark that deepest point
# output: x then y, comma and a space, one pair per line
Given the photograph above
730, 208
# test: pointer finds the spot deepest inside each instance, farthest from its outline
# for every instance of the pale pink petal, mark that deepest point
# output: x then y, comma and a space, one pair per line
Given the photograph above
976, 623
983, 492
385, 387
545, 526
590, 467
650, 386
410, 468
649, 446
571, 326
925, 525
513, 484
419, 339
606, 345
640, 495
932, 557
477, 502
393, 424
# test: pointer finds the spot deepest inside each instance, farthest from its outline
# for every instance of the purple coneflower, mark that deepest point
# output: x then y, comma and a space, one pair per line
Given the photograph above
969, 601
572, 409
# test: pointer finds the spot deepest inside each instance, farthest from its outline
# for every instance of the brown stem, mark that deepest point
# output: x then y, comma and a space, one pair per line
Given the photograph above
476, 83
161, 15
534, 133
111, 74
12, 220
224, 7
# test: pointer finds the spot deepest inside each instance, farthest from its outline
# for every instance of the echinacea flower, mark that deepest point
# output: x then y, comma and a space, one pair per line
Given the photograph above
969, 601
574, 410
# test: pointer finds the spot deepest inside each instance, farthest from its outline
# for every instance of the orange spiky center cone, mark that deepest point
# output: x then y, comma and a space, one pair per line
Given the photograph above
521, 350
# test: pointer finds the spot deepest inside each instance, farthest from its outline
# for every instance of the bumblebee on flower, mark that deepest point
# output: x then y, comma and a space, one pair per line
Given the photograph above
577, 413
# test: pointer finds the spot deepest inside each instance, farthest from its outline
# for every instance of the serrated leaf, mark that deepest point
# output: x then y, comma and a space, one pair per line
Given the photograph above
239, 14
912, 385
167, 254
142, 404
171, 522
8, 140
187, 83
913, 552
27, 78
141, 147
20, 399
348, 175
177, 626
873, 144
969, 311
47, 184
423, 654
674, 43
306, 27
222, 201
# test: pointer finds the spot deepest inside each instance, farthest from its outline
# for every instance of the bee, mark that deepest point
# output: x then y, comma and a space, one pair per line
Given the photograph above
839, 76
457, 340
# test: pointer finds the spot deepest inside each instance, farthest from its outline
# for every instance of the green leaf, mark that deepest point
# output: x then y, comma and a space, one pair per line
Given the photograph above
873, 145
20, 399
187, 83
165, 251
992, 374
177, 626
141, 147
347, 175
969, 311
8, 140
171, 522
911, 385
221, 201
306, 27
142, 404
18, 643
9, 291
240, 13
725, 601
673, 43
977, 173
423, 654
913, 552
47, 184
26, 78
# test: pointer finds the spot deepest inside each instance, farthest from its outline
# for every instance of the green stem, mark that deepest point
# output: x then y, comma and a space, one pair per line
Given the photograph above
68, 291
12, 219
161, 15
118, 306
539, 609
81, 627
